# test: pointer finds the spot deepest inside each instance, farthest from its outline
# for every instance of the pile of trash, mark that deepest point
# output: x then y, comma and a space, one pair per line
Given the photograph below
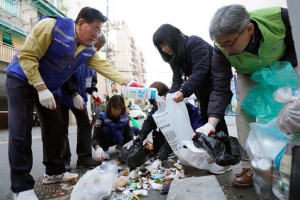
151, 175
115, 181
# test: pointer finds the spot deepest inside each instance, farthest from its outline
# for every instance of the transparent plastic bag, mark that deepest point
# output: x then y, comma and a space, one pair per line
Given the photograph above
96, 184
289, 119
173, 120
265, 142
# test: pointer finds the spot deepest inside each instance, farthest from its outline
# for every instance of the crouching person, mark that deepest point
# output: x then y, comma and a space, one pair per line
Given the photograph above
160, 144
111, 128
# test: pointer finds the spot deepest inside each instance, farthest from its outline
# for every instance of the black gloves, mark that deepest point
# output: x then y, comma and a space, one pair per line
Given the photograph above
139, 139
164, 152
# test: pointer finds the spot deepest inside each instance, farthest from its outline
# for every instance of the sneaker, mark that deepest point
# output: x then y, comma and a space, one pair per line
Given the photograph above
106, 155
217, 169
25, 195
172, 155
119, 147
88, 164
65, 177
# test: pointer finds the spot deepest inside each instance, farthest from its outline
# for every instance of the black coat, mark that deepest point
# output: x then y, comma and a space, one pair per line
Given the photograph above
196, 66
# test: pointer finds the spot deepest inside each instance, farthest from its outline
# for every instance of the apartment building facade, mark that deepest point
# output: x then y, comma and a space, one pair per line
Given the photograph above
17, 17
122, 52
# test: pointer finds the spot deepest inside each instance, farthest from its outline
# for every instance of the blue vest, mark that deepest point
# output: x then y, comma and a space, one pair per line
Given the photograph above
116, 128
83, 72
195, 116
58, 63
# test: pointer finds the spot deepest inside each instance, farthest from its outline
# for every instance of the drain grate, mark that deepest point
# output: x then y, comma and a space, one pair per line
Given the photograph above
57, 191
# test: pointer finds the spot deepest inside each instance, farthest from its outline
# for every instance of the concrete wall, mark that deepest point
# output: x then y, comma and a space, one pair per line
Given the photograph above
294, 13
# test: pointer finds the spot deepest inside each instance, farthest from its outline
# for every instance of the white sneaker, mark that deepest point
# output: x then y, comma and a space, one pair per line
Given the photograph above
217, 169
65, 177
25, 195
106, 155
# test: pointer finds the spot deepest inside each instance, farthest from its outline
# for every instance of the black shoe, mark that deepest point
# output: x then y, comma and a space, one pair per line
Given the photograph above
67, 166
89, 164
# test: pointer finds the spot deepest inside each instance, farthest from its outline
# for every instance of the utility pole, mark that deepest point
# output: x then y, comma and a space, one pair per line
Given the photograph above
107, 43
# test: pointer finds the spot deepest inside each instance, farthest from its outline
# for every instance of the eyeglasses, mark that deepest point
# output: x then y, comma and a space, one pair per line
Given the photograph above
231, 45
96, 31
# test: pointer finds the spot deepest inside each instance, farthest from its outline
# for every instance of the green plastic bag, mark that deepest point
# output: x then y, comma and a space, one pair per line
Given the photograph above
259, 101
134, 122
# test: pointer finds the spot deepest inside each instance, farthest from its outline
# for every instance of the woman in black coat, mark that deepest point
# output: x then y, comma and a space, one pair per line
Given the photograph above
190, 60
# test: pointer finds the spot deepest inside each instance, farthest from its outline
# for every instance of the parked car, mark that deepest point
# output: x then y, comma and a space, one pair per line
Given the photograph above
136, 112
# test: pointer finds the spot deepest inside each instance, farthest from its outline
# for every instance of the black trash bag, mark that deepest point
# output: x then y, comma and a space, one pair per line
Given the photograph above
224, 150
135, 155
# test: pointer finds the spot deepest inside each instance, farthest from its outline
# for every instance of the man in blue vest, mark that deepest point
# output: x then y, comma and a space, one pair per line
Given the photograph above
52, 52
247, 41
83, 81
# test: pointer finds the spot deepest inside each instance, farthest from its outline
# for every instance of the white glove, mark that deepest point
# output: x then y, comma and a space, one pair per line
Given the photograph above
207, 129
97, 99
99, 154
47, 99
78, 102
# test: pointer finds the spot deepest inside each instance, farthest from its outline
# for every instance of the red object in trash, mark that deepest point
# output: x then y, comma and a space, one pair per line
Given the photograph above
60, 193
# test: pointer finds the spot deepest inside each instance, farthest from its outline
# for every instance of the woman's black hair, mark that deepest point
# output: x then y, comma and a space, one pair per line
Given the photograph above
116, 101
90, 14
168, 34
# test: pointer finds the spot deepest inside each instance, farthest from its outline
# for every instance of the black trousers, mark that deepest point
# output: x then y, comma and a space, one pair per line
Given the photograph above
159, 140
105, 138
22, 98
84, 134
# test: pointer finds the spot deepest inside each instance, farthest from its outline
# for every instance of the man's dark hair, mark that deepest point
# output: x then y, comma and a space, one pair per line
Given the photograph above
89, 15
162, 88
112, 84
172, 36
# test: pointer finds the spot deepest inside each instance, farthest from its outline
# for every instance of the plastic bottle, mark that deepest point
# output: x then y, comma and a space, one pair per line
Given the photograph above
140, 93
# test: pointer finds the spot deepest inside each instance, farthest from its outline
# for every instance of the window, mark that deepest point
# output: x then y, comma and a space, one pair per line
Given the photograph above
6, 39
10, 6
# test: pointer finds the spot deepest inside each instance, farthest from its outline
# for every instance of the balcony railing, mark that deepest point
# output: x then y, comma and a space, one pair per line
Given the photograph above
10, 7
7, 52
